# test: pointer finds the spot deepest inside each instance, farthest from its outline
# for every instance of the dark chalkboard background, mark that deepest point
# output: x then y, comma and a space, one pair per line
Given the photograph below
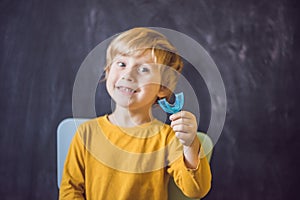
255, 44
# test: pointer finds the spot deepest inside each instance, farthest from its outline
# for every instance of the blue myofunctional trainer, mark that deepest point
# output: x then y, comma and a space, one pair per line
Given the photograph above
175, 107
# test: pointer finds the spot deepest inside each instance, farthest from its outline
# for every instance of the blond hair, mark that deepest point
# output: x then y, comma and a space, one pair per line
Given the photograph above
136, 41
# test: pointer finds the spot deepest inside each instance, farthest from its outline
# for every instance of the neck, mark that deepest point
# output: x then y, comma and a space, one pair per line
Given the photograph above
129, 118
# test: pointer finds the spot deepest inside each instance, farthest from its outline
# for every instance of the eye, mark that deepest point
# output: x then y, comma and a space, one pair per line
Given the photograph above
143, 69
121, 64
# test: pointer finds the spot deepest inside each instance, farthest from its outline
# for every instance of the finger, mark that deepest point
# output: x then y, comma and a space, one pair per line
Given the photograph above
182, 141
184, 121
181, 114
184, 138
184, 129
182, 135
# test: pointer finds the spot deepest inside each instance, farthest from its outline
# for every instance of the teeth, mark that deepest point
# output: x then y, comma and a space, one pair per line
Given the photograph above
128, 90
125, 89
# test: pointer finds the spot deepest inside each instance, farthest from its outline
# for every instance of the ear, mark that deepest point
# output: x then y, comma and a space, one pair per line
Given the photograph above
163, 92
106, 70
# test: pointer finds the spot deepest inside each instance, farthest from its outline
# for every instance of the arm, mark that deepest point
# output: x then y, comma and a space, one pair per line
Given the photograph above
190, 173
185, 126
72, 184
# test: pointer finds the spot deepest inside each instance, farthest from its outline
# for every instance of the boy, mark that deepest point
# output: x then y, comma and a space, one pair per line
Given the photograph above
128, 154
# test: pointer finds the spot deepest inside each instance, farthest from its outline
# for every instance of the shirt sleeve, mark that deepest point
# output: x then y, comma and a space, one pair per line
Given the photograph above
72, 184
194, 183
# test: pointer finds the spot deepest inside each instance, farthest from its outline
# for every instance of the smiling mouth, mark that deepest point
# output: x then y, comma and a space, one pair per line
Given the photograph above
126, 90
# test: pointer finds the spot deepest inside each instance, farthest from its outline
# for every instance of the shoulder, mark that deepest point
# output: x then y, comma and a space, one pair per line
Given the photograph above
87, 129
87, 124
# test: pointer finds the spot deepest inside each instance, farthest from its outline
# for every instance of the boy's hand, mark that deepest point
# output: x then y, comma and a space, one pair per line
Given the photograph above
184, 124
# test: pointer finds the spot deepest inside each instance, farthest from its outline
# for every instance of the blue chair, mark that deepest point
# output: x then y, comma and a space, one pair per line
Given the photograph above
66, 130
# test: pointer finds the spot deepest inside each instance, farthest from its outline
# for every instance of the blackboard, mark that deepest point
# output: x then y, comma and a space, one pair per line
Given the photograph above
255, 45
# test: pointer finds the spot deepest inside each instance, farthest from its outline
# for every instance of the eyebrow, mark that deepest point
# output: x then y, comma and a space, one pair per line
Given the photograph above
121, 57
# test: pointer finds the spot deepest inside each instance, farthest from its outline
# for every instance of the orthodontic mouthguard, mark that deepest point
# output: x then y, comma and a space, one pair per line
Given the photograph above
175, 107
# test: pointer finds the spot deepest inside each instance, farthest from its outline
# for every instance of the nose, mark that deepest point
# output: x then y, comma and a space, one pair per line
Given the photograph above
126, 77
128, 74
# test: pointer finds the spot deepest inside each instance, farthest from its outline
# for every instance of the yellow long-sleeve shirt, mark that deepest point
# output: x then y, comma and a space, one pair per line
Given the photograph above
110, 162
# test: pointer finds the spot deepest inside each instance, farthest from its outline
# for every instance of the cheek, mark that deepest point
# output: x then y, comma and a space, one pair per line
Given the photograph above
151, 80
152, 88
112, 76
110, 81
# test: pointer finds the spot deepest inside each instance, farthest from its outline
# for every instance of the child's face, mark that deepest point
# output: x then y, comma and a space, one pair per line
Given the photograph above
134, 81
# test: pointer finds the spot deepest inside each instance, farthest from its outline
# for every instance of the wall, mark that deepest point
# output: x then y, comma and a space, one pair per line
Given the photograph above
255, 45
